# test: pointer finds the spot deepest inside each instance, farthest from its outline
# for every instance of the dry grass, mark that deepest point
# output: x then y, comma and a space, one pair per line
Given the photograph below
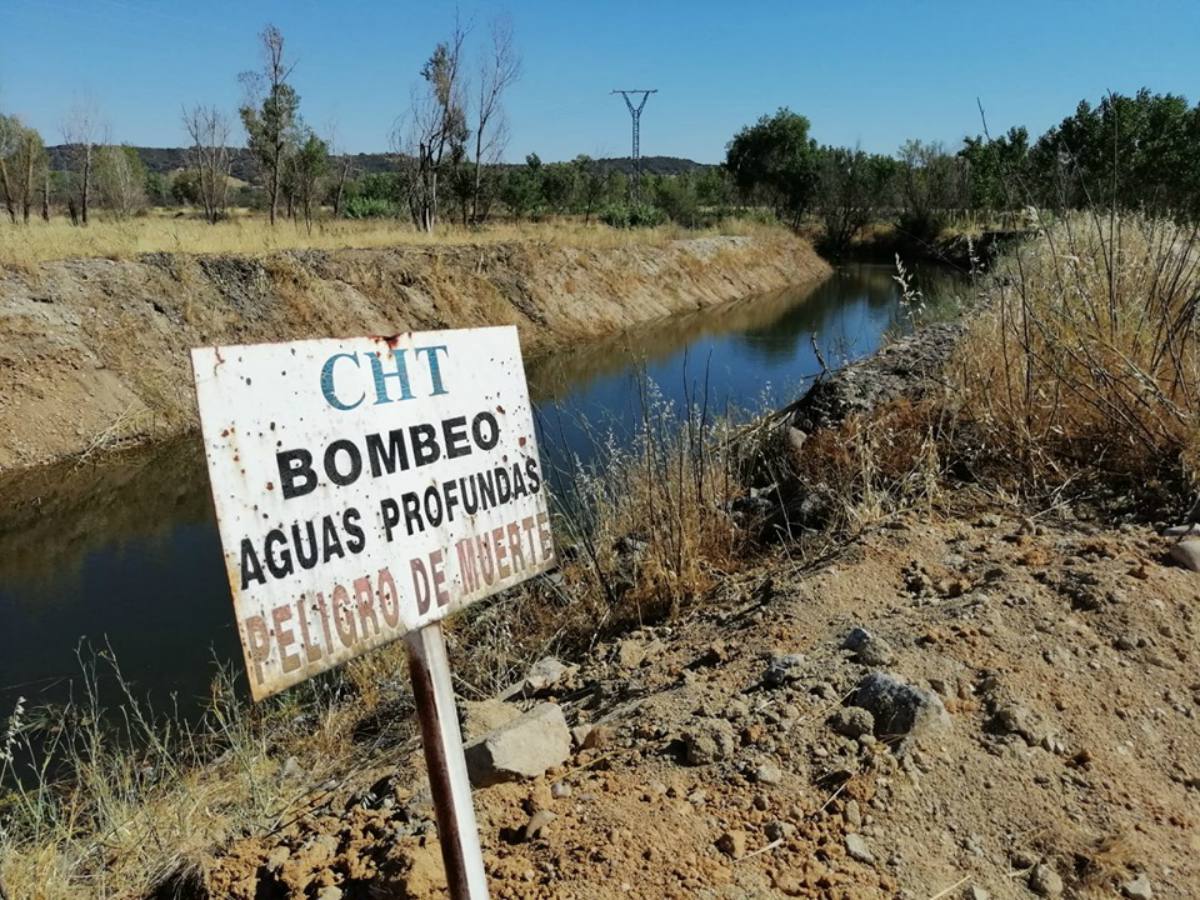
24, 246
1085, 358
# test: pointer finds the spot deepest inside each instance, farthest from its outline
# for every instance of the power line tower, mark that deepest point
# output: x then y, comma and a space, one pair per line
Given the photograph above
636, 113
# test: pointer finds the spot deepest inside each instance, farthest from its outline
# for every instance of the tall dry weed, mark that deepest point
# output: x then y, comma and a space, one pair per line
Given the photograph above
1084, 356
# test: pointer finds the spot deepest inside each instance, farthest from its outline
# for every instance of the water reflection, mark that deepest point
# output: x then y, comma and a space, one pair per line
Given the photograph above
127, 552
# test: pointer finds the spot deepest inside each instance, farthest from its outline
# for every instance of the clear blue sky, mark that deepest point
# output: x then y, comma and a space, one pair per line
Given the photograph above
864, 72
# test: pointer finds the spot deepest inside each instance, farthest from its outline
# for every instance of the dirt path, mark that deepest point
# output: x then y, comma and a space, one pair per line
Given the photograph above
94, 352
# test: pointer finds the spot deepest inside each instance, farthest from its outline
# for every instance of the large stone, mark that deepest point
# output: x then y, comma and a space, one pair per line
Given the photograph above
524, 748
1187, 554
545, 674
479, 717
900, 710
1138, 888
1044, 881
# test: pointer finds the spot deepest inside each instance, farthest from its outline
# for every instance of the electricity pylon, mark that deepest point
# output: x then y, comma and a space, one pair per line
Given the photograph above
636, 113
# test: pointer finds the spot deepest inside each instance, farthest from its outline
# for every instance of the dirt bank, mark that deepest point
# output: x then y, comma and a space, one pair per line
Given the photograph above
94, 352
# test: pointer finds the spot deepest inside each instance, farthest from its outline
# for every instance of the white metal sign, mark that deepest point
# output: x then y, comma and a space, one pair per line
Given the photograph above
368, 487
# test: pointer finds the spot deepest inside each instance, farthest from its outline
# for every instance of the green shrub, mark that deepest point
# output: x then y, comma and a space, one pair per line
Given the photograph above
632, 215
369, 208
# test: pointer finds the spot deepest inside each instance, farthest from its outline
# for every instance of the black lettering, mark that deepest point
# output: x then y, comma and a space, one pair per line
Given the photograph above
518, 481
251, 568
389, 510
433, 507
493, 430
412, 510
350, 522
454, 435
331, 468
487, 489
309, 559
280, 566
386, 460
296, 466
333, 543
425, 447
503, 485
531, 473
470, 500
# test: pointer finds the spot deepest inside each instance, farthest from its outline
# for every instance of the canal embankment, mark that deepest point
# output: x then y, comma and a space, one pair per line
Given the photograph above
94, 352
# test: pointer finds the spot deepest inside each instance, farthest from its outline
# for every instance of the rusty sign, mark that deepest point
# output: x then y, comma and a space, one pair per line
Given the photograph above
367, 487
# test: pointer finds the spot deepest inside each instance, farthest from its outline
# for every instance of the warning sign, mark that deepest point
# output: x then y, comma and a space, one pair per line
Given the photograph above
368, 487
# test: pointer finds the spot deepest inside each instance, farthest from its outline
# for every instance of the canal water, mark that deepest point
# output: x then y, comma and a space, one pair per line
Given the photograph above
124, 557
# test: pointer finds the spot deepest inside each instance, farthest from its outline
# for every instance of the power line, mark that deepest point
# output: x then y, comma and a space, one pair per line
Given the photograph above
635, 113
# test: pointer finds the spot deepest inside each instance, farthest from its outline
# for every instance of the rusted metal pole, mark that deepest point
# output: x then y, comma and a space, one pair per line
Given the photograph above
442, 741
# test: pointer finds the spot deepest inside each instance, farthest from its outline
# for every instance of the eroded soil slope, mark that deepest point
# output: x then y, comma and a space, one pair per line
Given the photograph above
93, 352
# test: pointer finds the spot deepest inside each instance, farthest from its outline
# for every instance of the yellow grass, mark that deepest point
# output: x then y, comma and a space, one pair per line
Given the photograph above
1087, 356
24, 246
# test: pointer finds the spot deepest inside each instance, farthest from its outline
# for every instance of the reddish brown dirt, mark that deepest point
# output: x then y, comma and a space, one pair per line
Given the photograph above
1064, 653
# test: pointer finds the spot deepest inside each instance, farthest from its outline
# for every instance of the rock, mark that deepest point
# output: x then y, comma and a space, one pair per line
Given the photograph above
732, 843
291, 768
858, 849
1013, 718
579, 734
852, 814
544, 674
630, 654
975, 892
899, 709
1138, 888
1187, 554
537, 823
783, 669
1044, 881
524, 748
478, 717
869, 650
559, 790
768, 773
708, 741
853, 722
329, 892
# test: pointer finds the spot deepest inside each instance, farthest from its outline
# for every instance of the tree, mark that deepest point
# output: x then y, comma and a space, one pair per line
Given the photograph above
121, 179
209, 158
932, 184
851, 186
594, 181
271, 114
23, 167
498, 69
997, 170
774, 161
80, 133
308, 165
436, 129
10, 140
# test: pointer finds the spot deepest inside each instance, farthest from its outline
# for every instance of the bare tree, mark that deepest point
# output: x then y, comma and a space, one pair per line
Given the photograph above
209, 156
435, 133
345, 164
121, 179
499, 67
80, 133
271, 113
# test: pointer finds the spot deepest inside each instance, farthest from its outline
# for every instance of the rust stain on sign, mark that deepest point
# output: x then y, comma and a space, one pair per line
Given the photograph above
363, 493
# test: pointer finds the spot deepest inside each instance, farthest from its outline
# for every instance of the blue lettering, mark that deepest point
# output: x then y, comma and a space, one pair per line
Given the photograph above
327, 382
435, 371
401, 375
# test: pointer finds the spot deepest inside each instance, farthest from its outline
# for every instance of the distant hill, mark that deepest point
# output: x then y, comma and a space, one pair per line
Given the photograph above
164, 160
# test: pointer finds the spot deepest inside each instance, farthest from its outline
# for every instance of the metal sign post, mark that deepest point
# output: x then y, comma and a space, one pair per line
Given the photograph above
442, 741
366, 488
